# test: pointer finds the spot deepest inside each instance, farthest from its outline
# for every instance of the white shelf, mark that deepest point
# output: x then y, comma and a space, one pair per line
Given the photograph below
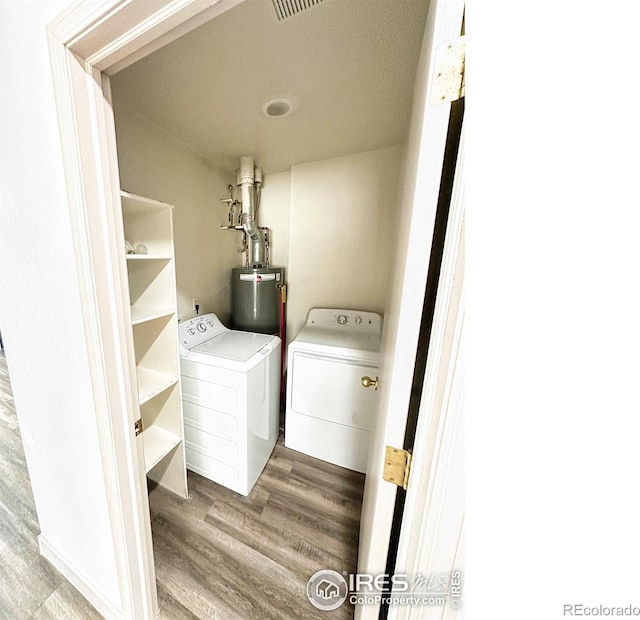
133, 201
157, 443
152, 297
148, 257
151, 383
144, 315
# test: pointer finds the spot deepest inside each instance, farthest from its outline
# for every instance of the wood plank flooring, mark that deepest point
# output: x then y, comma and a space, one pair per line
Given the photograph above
217, 554
220, 555
29, 586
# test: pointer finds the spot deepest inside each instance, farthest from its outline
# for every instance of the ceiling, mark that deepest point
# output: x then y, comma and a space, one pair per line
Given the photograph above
348, 66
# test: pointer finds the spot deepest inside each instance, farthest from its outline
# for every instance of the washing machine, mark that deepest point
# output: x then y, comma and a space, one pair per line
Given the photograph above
332, 395
230, 397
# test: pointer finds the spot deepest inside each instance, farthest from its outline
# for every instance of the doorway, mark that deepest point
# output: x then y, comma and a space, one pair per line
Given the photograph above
321, 184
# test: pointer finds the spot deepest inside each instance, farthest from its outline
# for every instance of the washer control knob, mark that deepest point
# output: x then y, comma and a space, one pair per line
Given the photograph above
342, 319
202, 327
358, 320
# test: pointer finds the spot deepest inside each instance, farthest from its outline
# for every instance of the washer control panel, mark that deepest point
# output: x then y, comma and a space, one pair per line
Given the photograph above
352, 320
195, 331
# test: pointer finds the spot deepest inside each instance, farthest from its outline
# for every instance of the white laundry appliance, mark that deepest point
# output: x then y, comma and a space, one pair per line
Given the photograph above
230, 394
332, 395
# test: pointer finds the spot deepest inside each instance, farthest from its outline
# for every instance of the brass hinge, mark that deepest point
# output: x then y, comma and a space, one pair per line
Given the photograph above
448, 80
397, 466
138, 426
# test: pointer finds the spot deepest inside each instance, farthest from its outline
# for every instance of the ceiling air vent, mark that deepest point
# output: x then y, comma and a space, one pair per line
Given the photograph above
289, 8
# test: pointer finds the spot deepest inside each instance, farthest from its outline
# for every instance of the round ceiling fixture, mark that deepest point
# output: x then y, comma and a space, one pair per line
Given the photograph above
278, 107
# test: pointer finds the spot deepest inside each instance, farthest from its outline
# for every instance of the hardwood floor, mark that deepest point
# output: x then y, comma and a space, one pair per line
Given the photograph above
29, 586
220, 555
217, 554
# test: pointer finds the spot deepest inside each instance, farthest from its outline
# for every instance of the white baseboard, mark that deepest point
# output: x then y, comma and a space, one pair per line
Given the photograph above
87, 590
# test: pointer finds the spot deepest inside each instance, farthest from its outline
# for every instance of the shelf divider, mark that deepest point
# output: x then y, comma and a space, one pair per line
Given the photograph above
151, 383
144, 315
157, 442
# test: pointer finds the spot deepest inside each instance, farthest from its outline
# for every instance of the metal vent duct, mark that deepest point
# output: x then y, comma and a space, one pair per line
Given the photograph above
289, 8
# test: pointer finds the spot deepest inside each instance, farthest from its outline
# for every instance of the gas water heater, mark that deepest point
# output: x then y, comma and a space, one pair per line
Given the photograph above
256, 289
256, 295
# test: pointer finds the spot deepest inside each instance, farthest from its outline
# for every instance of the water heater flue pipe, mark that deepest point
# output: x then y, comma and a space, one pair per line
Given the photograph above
247, 178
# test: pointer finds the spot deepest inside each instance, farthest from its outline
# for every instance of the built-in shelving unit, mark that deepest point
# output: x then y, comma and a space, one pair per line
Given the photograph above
154, 325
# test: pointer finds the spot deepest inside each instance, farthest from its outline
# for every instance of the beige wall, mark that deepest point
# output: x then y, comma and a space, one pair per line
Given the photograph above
153, 163
342, 233
275, 204
41, 317
332, 222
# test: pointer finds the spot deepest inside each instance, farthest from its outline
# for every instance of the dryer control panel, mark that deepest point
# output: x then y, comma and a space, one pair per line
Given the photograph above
358, 321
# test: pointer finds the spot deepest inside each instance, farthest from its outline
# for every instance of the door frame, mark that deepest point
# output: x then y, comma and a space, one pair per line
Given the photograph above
88, 42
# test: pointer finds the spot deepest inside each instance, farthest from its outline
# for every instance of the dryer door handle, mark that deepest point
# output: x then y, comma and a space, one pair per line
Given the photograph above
367, 382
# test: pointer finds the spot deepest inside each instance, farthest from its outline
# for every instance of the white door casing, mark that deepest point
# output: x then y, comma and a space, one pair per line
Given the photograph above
96, 230
403, 315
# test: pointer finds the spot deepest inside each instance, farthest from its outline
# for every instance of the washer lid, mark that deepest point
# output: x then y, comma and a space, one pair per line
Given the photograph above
234, 345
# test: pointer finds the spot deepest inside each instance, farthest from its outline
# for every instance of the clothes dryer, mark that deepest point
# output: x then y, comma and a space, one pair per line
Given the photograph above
332, 396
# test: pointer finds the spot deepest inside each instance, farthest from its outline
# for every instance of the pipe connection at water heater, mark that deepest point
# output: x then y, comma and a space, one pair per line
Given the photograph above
250, 179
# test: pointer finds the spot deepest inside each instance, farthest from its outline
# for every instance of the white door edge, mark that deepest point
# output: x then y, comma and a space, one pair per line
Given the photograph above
404, 313
432, 524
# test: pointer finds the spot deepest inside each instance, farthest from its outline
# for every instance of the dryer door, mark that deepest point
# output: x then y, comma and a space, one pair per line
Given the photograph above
329, 388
